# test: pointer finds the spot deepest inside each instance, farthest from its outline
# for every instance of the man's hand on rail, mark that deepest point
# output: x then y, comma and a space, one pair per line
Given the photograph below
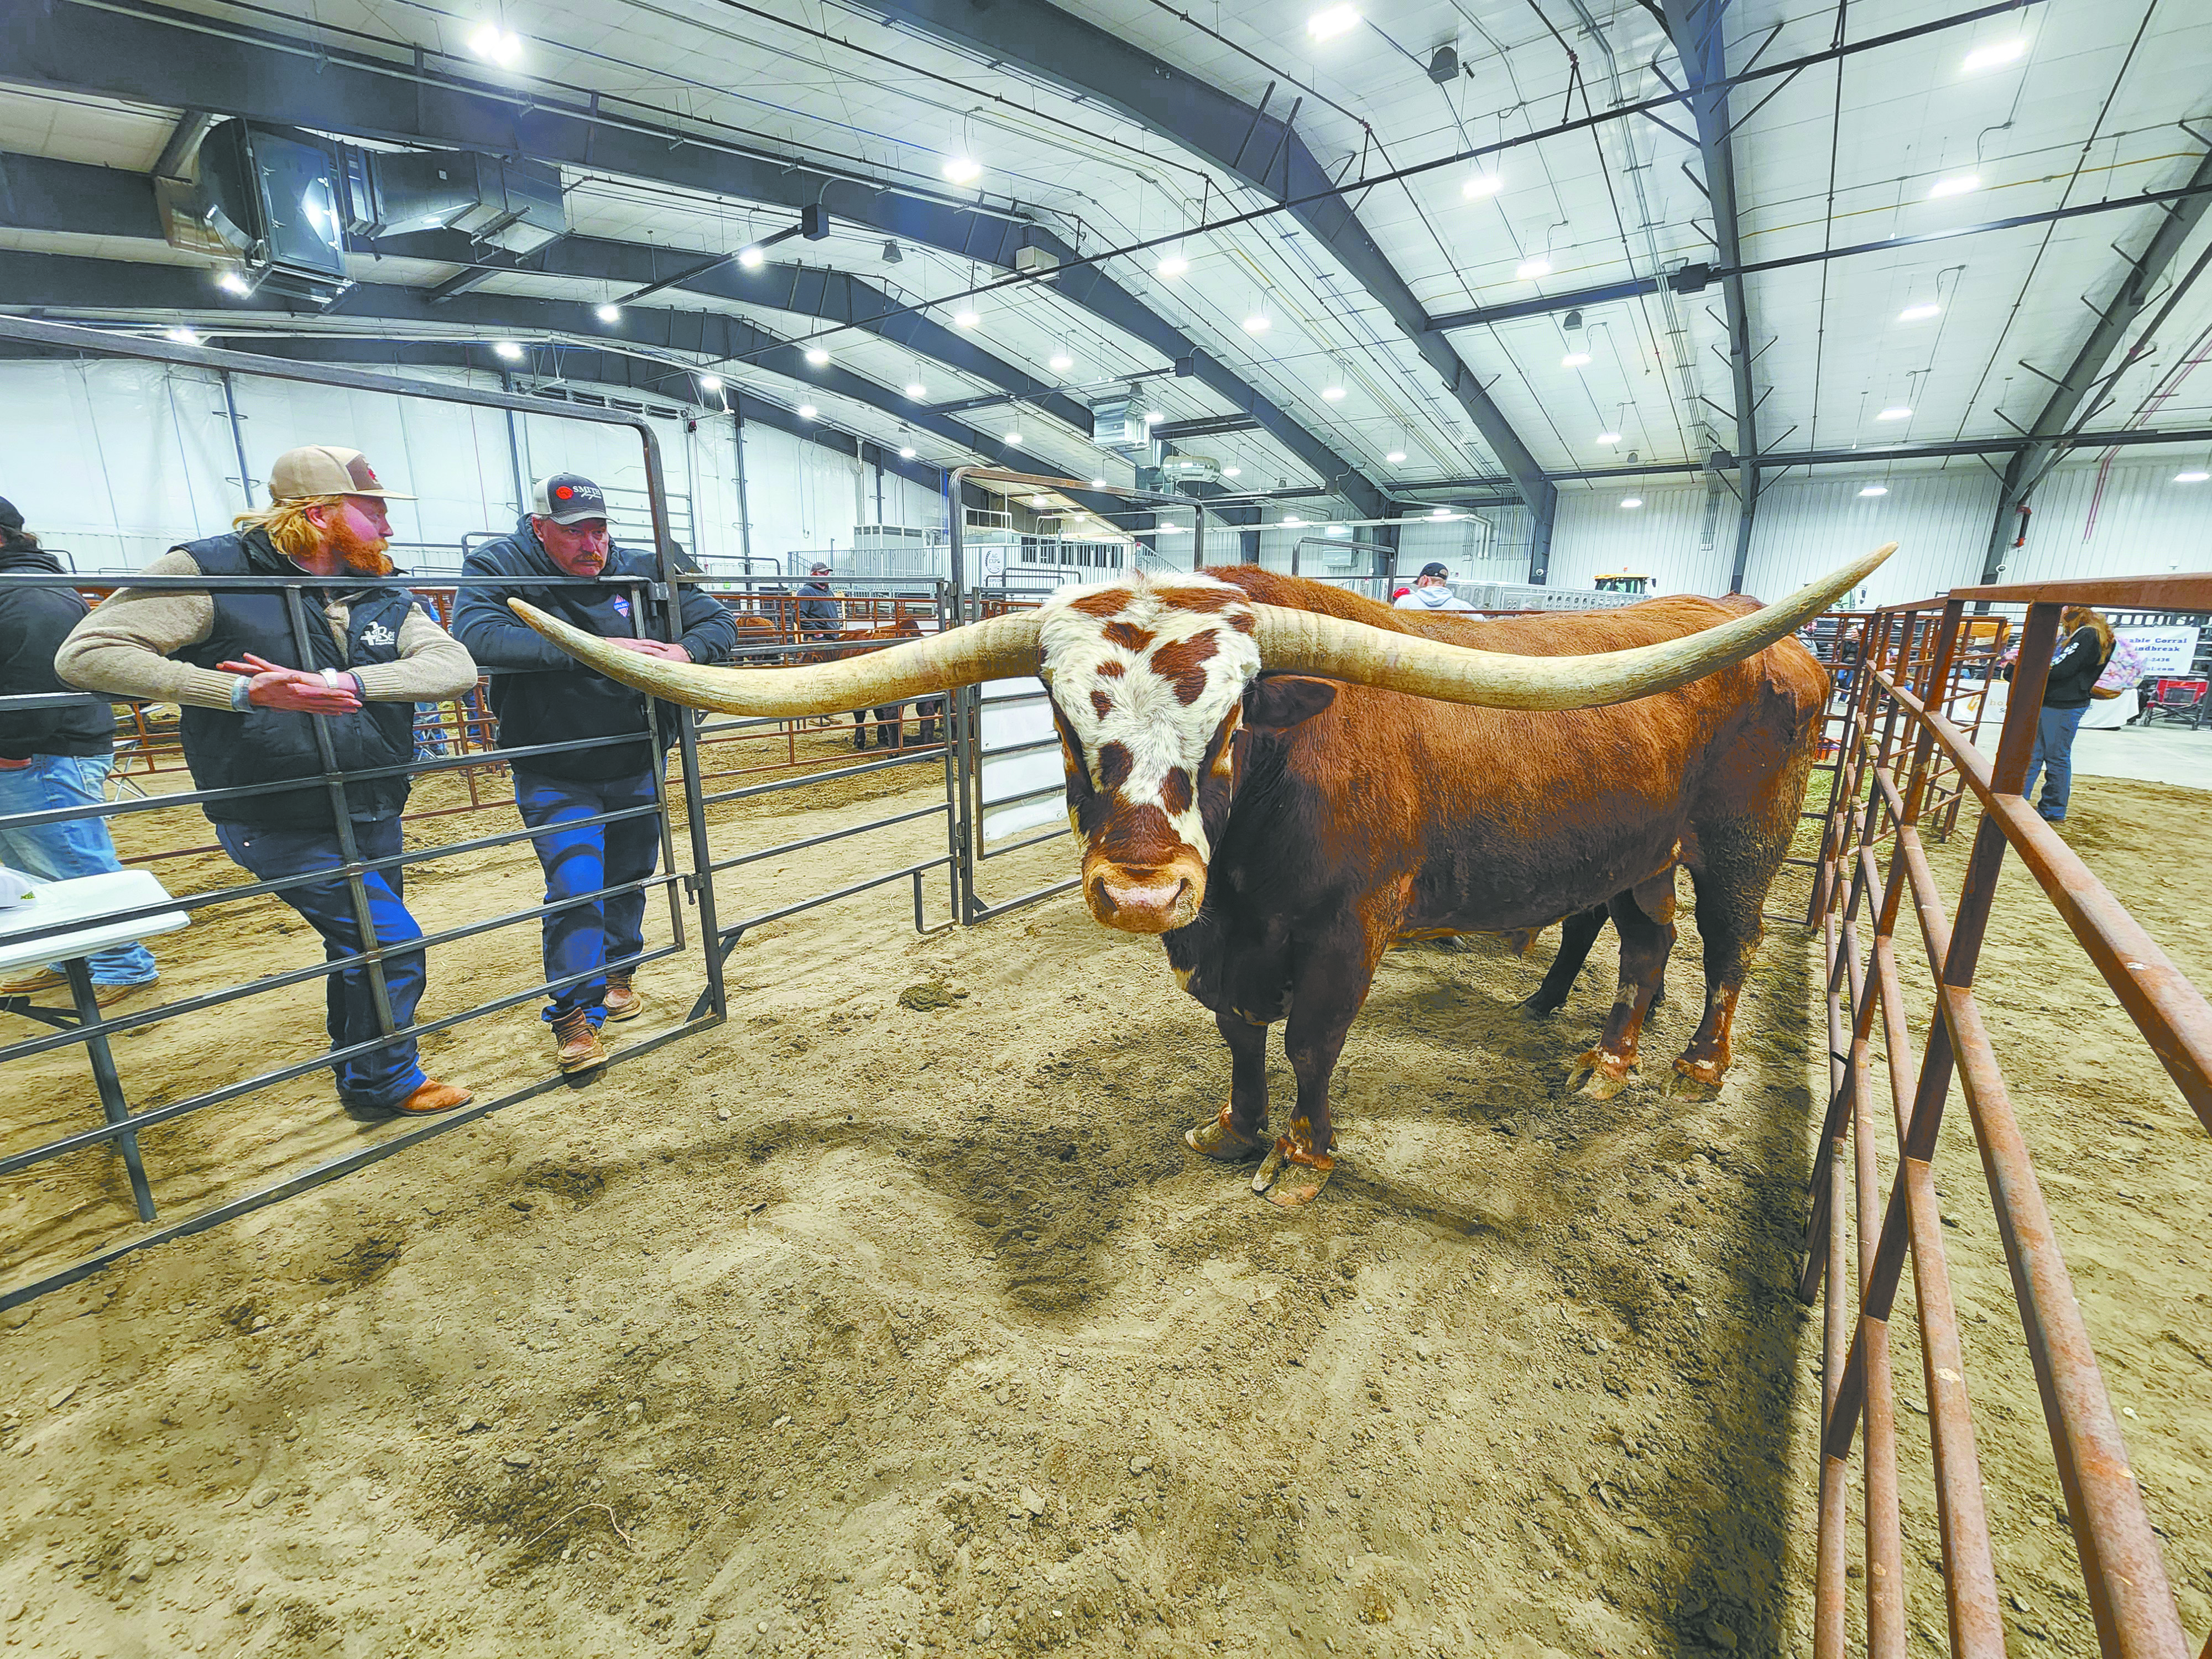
293, 689
660, 648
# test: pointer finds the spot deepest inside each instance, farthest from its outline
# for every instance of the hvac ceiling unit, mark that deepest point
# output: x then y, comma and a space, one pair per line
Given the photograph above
1189, 469
1118, 423
489, 198
265, 201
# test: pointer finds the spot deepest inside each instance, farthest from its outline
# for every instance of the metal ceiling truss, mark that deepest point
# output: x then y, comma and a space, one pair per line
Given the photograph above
1262, 150
149, 54
2086, 376
1699, 40
76, 285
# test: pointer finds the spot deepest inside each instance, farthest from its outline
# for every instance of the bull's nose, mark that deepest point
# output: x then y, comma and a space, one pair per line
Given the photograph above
1129, 896
1142, 902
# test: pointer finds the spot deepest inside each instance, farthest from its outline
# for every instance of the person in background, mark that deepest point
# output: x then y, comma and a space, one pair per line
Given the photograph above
2066, 696
221, 654
820, 617
1430, 592
51, 758
542, 696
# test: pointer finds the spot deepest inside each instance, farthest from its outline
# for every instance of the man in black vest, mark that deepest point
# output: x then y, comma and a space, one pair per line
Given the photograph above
367, 654
542, 694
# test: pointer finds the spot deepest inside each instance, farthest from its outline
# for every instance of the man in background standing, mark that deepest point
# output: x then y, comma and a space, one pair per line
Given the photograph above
1430, 592
51, 758
820, 617
542, 696
372, 652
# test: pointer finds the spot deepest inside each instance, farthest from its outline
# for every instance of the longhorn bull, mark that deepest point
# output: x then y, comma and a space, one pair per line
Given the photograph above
1281, 779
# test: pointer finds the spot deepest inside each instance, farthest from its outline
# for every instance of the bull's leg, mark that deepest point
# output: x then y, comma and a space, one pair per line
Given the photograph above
1328, 991
1241, 1131
1728, 922
1644, 944
859, 728
1576, 934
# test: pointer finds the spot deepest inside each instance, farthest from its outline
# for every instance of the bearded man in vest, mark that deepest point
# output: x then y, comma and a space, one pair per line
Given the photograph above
592, 788
372, 652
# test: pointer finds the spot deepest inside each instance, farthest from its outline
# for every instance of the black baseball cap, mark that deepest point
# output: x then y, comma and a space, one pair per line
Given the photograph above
819, 570
1432, 569
566, 498
11, 516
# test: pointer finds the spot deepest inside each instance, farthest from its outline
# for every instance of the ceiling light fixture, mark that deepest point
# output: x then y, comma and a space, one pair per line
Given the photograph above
916, 389
1394, 457
1632, 501
806, 411
496, 44
1898, 413
1292, 519
1988, 57
964, 318
180, 334
1257, 323
906, 452
1609, 437
1440, 512
1919, 314
1958, 186
751, 258
508, 349
1153, 417
1575, 360
2191, 477
710, 383
1337, 530
1098, 483
1875, 489
1232, 471
1334, 393
1479, 184
1014, 437
1335, 21
610, 314
962, 170
231, 283
1530, 269
816, 357
1172, 265
1061, 362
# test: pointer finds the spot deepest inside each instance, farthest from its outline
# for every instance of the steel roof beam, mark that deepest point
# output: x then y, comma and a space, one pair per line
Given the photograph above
152, 55
1694, 26
75, 286
1091, 63
2130, 295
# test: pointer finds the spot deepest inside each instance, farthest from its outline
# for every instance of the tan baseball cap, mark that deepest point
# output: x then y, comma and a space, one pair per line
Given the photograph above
323, 470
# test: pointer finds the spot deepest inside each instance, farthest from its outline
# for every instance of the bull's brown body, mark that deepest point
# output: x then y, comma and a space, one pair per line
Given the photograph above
1385, 816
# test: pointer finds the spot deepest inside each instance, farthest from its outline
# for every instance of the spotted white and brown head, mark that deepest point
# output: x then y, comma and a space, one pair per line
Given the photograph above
1153, 678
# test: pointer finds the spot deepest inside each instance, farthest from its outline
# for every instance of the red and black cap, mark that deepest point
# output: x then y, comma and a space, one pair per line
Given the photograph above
566, 498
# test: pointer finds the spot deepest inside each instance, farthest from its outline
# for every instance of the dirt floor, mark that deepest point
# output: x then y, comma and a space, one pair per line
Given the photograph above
893, 1317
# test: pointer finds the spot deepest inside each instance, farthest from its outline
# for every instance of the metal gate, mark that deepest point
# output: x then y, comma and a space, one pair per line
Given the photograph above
1905, 733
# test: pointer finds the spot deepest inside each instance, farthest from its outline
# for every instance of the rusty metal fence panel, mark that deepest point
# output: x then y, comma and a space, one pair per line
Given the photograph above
1907, 760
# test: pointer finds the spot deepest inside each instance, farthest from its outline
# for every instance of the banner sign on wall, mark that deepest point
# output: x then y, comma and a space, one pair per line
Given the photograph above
2166, 651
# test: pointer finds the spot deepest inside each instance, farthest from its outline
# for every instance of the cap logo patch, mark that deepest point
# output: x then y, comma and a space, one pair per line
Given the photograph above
563, 492
362, 473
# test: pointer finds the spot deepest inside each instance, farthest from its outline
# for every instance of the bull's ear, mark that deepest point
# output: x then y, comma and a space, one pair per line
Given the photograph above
1278, 702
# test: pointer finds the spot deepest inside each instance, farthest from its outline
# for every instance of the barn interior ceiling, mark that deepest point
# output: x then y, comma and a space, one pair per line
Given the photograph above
1378, 255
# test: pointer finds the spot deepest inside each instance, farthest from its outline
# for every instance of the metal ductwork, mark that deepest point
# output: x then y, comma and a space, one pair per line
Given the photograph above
1118, 422
279, 205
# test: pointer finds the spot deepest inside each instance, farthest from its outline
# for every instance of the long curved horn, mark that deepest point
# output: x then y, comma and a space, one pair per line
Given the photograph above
1331, 647
1000, 648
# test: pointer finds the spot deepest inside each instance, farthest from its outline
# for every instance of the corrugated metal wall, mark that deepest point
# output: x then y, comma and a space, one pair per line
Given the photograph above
1594, 535
1939, 520
2141, 523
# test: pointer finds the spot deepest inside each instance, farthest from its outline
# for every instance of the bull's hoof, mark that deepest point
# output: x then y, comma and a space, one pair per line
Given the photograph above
1530, 1009
1693, 1079
1219, 1138
1292, 1178
1606, 1074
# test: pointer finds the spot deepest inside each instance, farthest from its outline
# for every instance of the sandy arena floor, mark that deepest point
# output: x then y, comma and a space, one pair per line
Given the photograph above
893, 1318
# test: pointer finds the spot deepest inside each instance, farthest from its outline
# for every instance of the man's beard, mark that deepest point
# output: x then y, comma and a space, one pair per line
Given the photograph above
363, 555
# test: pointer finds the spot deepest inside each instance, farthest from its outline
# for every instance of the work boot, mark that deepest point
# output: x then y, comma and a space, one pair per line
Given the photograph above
621, 1001
435, 1096
578, 1046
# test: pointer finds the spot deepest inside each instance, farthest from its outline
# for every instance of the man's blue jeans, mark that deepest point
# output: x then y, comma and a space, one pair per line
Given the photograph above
2054, 757
76, 846
381, 1078
583, 938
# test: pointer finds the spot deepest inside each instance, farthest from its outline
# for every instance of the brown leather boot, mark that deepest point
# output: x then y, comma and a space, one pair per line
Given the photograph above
578, 1046
436, 1097
622, 1002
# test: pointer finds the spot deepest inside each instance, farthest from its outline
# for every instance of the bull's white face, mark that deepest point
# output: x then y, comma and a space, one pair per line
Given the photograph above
1147, 677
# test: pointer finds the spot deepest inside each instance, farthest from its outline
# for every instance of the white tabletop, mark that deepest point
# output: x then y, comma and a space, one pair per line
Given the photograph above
85, 901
